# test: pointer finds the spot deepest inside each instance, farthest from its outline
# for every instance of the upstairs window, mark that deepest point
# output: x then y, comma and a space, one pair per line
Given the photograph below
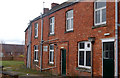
36, 53
52, 21
100, 12
51, 54
69, 20
84, 54
36, 30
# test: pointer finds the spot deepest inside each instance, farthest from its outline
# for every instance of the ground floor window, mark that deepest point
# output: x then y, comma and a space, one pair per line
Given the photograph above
35, 52
51, 54
84, 54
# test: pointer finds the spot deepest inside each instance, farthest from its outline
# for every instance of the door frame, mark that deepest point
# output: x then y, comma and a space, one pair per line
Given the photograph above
61, 58
107, 40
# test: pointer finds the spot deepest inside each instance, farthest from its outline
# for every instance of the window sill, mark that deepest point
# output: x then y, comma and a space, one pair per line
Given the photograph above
51, 35
69, 31
83, 69
51, 64
97, 26
36, 37
35, 60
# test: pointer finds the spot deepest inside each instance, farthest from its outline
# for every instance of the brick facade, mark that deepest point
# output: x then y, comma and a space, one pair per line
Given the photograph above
83, 28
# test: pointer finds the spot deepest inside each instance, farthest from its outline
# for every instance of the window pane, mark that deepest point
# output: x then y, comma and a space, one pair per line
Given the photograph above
50, 28
36, 47
81, 57
81, 45
106, 54
68, 24
52, 25
51, 47
100, 4
97, 16
111, 55
36, 29
70, 14
50, 56
50, 20
88, 58
103, 15
35, 55
72, 23
88, 45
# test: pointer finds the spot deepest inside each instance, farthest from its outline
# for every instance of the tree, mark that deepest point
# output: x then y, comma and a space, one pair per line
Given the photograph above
2, 42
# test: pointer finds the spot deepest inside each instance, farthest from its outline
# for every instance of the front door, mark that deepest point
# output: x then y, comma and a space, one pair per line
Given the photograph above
108, 59
63, 62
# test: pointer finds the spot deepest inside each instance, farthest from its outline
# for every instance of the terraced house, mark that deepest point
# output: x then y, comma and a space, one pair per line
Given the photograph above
75, 39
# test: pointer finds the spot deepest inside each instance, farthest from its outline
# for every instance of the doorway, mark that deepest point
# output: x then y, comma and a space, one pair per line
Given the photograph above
108, 59
63, 62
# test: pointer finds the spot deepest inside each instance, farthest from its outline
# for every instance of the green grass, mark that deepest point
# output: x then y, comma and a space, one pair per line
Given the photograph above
12, 63
19, 66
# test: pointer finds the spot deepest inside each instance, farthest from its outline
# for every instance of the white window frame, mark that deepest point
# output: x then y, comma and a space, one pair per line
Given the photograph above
51, 62
36, 51
36, 29
85, 49
69, 18
98, 9
52, 24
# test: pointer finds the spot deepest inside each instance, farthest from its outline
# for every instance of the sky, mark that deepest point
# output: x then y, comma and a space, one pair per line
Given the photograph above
15, 16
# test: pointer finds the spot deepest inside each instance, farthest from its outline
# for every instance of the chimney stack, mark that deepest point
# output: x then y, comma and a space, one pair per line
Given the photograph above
53, 5
46, 10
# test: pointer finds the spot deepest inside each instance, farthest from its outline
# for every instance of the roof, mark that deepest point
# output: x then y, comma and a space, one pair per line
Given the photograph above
12, 48
54, 9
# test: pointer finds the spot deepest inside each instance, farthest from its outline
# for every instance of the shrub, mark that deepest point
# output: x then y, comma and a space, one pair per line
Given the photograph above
21, 56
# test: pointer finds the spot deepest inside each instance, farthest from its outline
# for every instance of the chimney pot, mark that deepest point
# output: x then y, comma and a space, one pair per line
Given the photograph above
46, 10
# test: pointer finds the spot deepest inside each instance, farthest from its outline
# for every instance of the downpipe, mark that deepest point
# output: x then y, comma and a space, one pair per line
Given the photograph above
116, 38
41, 44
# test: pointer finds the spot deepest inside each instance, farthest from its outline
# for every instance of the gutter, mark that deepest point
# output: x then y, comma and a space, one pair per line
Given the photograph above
116, 38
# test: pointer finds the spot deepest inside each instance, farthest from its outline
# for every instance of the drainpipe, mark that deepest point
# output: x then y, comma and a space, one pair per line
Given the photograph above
41, 43
116, 38
92, 40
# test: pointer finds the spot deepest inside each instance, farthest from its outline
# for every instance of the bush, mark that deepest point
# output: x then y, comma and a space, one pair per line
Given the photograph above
21, 56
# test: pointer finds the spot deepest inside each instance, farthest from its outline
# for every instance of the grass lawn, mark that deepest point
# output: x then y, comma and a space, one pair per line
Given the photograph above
12, 63
19, 66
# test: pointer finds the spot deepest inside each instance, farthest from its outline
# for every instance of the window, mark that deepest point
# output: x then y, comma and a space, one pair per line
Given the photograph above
1, 54
100, 12
108, 50
36, 30
84, 54
69, 20
52, 20
51, 54
36, 53
45, 48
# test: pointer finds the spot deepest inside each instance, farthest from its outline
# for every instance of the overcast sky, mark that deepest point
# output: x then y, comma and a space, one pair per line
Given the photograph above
15, 16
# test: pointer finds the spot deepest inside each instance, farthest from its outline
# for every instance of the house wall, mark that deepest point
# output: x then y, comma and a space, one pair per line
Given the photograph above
83, 23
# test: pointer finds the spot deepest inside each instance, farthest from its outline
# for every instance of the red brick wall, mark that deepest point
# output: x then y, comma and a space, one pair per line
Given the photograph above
83, 22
